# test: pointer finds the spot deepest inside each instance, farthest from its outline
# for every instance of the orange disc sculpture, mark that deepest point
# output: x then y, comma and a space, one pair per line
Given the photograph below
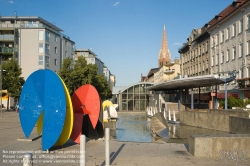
85, 100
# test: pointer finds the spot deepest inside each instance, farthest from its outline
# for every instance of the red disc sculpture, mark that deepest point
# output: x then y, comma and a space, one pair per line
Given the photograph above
85, 100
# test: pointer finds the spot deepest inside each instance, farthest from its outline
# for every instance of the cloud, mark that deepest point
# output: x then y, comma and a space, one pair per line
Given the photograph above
116, 4
177, 43
10, 1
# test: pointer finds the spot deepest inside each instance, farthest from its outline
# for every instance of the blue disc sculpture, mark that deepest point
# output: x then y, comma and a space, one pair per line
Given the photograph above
43, 92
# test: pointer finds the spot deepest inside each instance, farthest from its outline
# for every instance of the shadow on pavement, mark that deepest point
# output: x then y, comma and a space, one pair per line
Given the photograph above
113, 155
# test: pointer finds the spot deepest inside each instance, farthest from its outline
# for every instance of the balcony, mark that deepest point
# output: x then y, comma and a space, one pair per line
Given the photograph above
6, 37
169, 71
243, 82
6, 50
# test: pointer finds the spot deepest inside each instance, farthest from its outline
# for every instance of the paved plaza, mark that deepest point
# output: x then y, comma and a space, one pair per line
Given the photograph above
121, 153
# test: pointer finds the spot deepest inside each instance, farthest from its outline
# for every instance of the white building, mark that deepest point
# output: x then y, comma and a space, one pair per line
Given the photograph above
91, 58
34, 42
230, 46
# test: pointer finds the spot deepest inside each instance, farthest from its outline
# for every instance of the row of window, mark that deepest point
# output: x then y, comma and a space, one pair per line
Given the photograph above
229, 32
216, 58
199, 51
195, 69
47, 61
47, 38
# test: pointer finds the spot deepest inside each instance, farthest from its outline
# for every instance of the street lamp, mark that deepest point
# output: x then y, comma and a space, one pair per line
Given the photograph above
1, 75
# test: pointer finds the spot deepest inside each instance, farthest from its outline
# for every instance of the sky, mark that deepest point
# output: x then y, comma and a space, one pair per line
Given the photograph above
125, 34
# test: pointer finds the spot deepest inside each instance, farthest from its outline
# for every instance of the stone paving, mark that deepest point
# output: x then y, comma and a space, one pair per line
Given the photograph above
121, 153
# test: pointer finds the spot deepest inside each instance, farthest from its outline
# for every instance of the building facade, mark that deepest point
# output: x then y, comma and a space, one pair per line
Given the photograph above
194, 54
34, 43
230, 47
91, 58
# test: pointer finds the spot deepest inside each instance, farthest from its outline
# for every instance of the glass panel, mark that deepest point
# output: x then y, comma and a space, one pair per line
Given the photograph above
130, 105
142, 96
142, 105
130, 90
124, 96
124, 106
136, 88
136, 96
141, 88
130, 96
137, 105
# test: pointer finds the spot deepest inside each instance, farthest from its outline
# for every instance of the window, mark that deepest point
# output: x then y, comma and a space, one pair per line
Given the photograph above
241, 50
66, 42
47, 36
55, 50
228, 55
213, 42
93, 61
55, 38
41, 35
222, 36
248, 72
228, 33
248, 19
241, 26
222, 57
66, 54
212, 62
46, 61
55, 62
248, 47
217, 37
40, 60
234, 53
217, 59
203, 66
40, 50
47, 47
234, 29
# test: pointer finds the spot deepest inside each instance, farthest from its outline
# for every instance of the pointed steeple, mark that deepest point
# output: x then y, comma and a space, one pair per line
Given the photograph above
164, 54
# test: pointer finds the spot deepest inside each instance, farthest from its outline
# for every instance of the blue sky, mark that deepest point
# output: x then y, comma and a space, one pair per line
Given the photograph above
125, 34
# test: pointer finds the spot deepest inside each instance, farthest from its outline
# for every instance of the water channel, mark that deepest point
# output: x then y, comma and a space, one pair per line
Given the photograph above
136, 128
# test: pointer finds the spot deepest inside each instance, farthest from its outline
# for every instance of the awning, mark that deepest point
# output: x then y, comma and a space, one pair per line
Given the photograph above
222, 95
191, 82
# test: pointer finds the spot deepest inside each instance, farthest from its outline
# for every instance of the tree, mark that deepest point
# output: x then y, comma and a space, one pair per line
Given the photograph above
101, 84
12, 80
82, 73
64, 73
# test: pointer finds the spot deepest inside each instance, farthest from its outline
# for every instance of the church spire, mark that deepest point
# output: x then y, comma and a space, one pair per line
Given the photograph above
164, 54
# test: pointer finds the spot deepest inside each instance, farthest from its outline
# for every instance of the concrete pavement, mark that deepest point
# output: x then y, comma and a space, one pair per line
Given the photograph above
121, 153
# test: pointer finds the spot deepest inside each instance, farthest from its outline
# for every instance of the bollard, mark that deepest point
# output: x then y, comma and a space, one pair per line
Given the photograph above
107, 161
27, 159
82, 150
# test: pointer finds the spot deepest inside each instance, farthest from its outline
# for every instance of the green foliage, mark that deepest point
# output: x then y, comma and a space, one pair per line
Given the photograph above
12, 80
222, 103
82, 73
233, 102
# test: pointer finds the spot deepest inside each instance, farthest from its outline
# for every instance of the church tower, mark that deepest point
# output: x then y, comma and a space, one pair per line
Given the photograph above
164, 54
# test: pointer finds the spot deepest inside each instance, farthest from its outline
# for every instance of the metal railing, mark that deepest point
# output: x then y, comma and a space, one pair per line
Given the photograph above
6, 50
6, 37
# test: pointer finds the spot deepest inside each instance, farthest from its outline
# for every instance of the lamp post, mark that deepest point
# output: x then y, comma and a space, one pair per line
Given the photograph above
1, 75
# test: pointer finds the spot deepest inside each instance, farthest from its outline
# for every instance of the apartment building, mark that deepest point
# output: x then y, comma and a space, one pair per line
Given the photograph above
91, 58
34, 42
167, 72
230, 47
194, 54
